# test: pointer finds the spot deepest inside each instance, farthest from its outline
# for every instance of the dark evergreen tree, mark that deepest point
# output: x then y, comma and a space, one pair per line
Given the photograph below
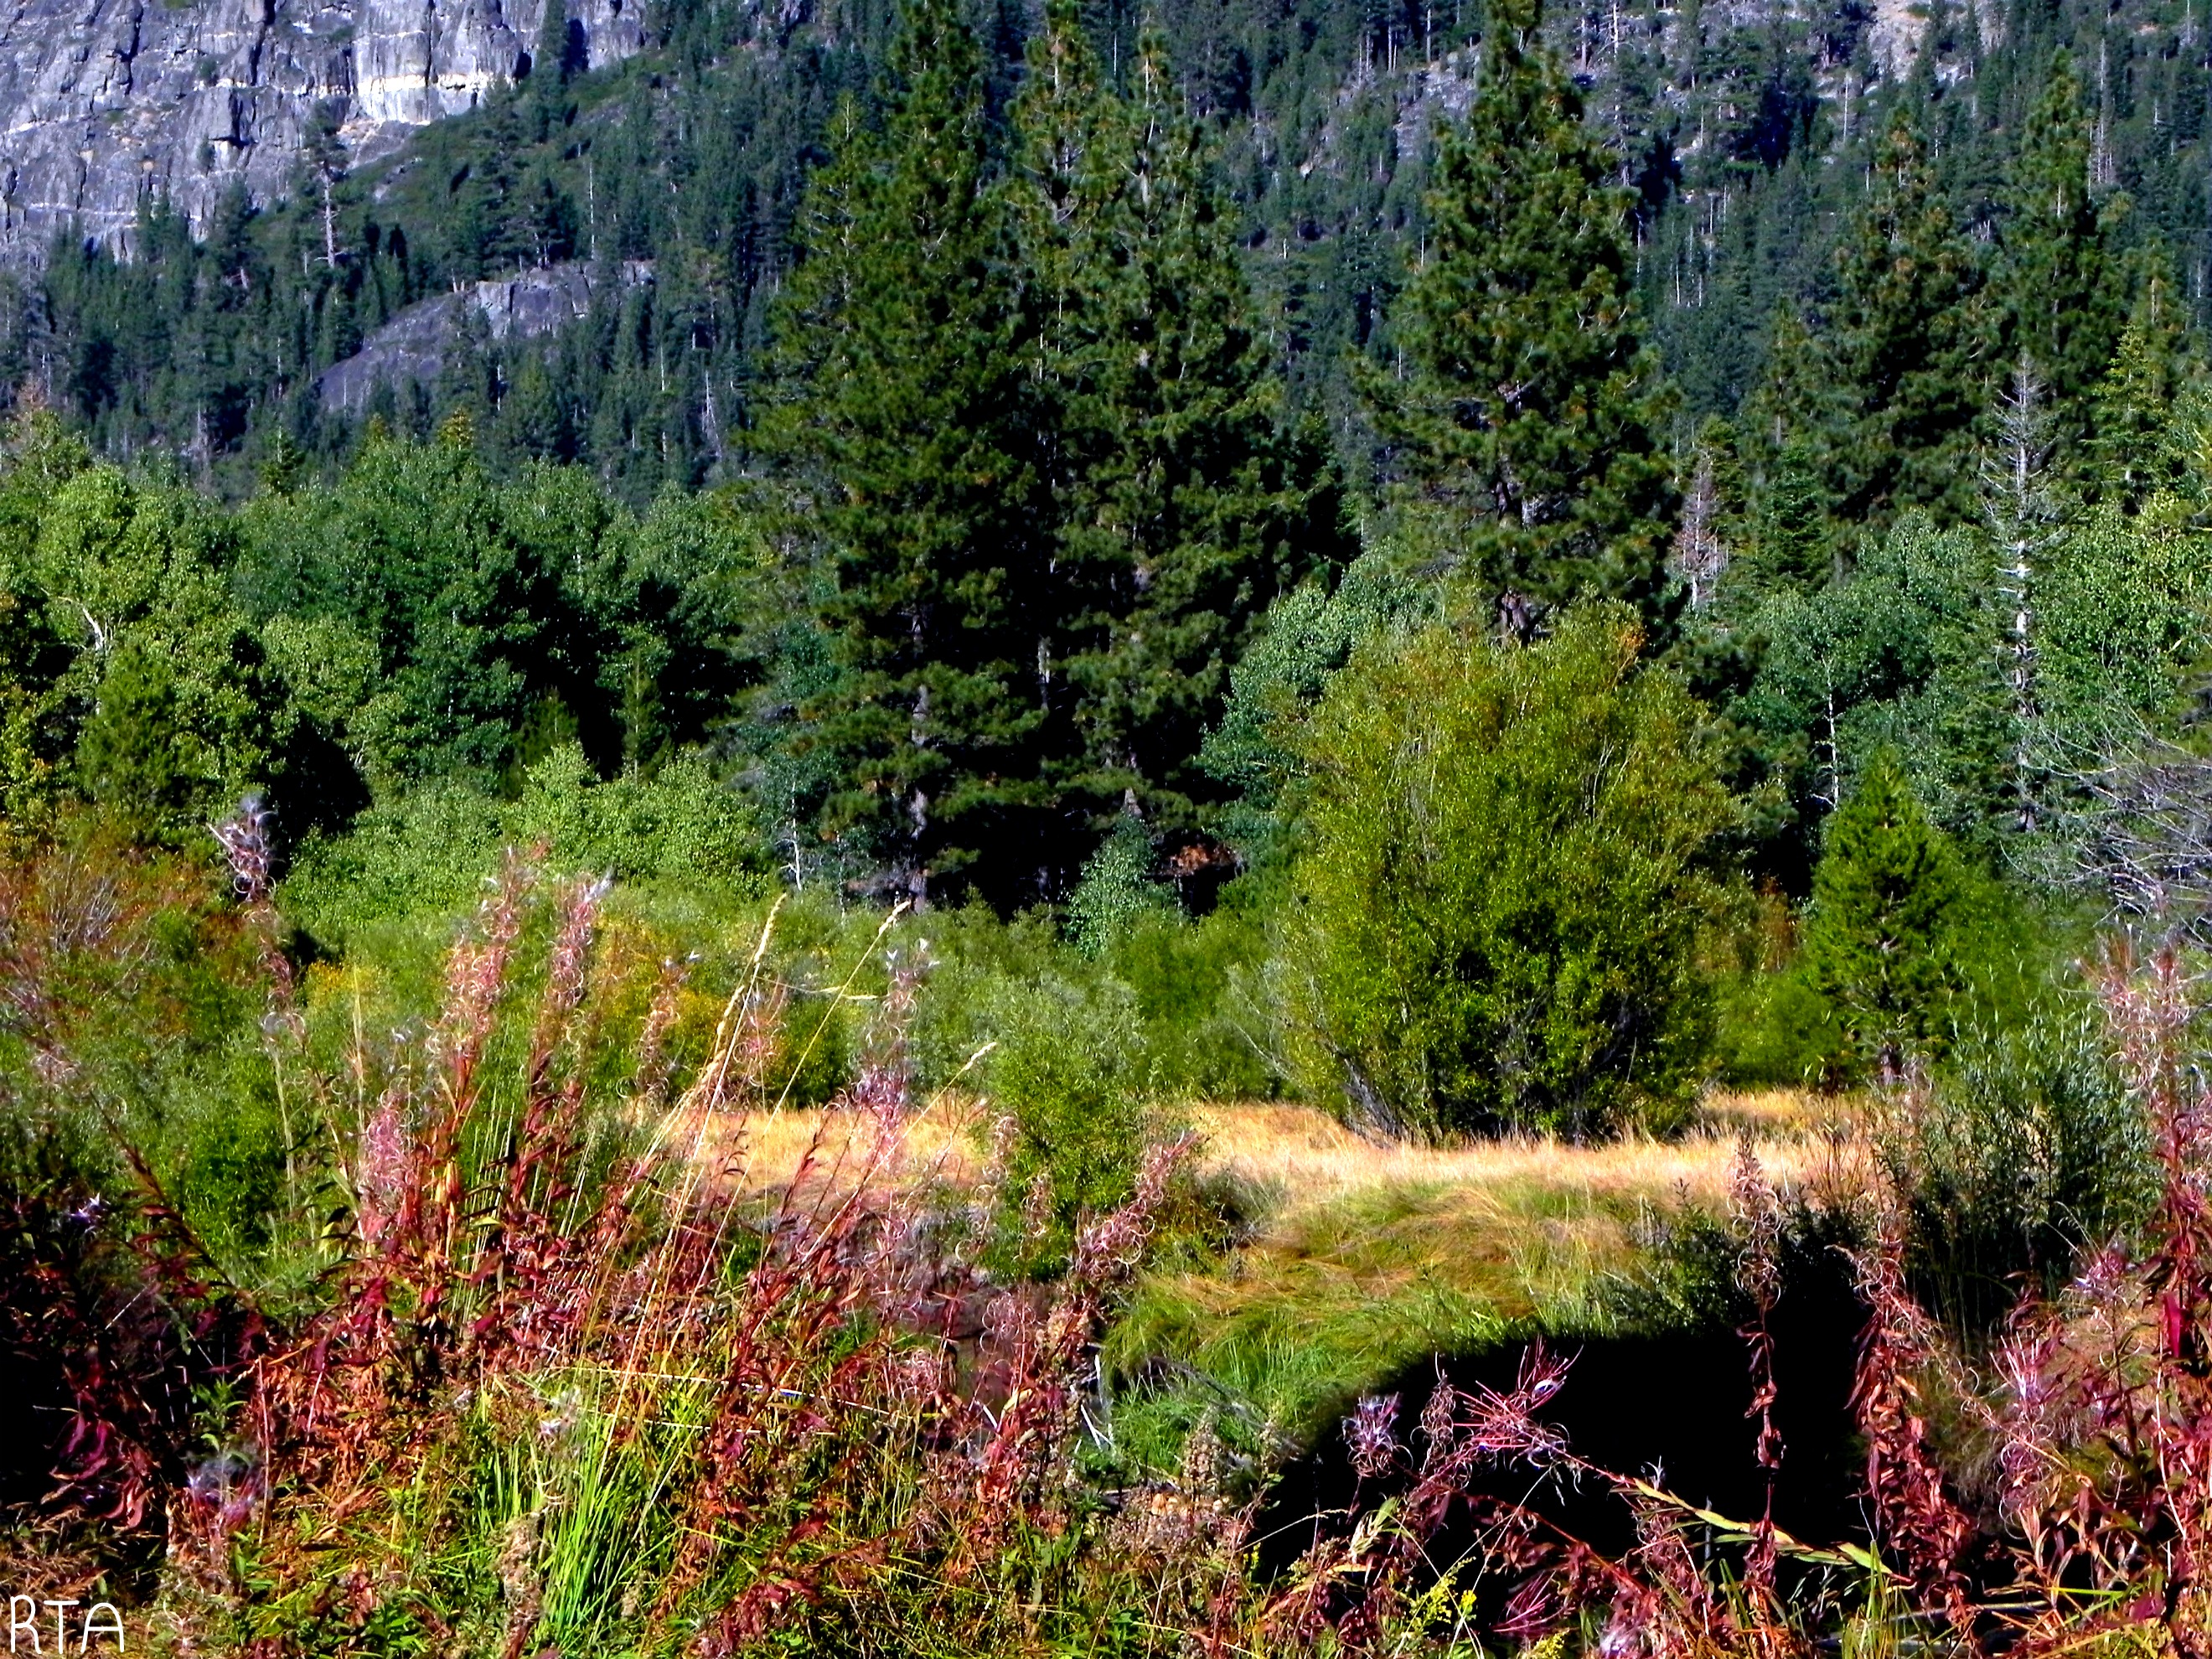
1529, 411
1183, 507
127, 758
902, 401
2131, 409
1907, 346
1881, 940
2062, 287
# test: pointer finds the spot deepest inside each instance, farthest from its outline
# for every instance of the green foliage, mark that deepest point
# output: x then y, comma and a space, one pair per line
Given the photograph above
1503, 881
1208, 1027
1188, 987
1307, 635
134, 676
1531, 414
2063, 286
2123, 604
424, 853
2133, 447
1070, 1070
127, 752
1906, 340
2017, 1155
1116, 891
1185, 505
1775, 1031
1046, 460
1883, 936
467, 604
1900, 649
902, 399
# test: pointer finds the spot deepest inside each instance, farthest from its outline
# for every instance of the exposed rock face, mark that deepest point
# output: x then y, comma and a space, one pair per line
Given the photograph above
102, 102
414, 344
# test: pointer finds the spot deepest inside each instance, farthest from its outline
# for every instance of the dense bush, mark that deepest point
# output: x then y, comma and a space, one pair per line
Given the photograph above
2013, 1161
1190, 1020
1069, 1074
1505, 875
426, 852
1907, 943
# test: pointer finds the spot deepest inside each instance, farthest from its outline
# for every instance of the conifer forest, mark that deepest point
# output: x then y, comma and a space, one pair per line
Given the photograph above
975, 828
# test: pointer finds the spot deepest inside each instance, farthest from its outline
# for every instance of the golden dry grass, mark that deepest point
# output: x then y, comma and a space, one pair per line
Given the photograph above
1367, 1257
764, 1151
1300, 1157
1308, 1157
1359, 1256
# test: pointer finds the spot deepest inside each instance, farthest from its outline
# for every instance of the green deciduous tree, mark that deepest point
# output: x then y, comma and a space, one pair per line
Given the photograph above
1528, 416
1504, 878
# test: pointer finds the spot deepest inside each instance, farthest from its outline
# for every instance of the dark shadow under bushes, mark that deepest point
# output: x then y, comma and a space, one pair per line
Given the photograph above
1672, 1400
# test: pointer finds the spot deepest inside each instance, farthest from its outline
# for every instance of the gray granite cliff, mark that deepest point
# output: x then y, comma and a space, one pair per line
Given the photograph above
104, 101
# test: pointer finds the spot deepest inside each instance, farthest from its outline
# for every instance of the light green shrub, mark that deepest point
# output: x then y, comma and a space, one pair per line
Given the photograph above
1070, 1070
1506, 873
428, 851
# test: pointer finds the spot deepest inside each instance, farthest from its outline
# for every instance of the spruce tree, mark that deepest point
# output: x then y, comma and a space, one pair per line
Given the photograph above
2062, 287
128, 756
901, 401
1531, 412
557, 60
1788, 424
1882, 934
1182, 509
1792, 551
2131, 410
1907, 348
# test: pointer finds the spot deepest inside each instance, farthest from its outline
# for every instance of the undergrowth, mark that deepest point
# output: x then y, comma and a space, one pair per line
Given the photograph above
499, 1361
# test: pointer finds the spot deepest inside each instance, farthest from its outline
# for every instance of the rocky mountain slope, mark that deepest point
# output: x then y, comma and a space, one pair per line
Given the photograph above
102, 102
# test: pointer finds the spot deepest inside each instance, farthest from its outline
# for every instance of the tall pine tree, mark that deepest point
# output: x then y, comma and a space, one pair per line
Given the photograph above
1530, 411
2131, 411
900, 398
1908, 345
2064, 291
1183, 508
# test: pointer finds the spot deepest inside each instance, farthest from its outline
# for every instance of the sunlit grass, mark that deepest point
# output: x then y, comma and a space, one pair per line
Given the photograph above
1368, 1257
1359, 1257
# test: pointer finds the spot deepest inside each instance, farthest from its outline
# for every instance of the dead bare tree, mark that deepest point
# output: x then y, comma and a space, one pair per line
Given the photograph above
1699, 555
2022, 516
2129, 818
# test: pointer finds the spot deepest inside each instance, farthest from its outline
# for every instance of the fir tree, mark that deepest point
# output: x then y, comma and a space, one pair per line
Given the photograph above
2131, 409
2062, 283
557, 60
1182, 510
127, 754
1793, 529
1906, 348
902, 400
1531, 412
1881, 936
